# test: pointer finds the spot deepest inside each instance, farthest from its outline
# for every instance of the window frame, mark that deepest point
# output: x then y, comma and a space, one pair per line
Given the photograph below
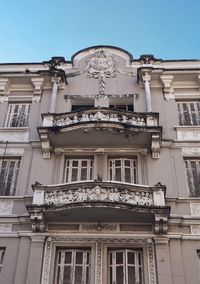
192, 115
11, 113
193, 192
15, 177
68, 168
2, 256
125, 264
133, 168
73, 264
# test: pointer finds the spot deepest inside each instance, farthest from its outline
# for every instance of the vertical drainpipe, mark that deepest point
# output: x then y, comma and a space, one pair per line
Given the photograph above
146, 79
55, 80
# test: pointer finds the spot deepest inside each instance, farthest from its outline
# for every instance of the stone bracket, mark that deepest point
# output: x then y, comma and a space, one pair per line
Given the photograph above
46, 148
38, 85
160, 224
167, 86
155, 146
38, 221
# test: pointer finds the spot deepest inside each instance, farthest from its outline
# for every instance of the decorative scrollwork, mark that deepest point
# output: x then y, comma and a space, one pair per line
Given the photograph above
61, 197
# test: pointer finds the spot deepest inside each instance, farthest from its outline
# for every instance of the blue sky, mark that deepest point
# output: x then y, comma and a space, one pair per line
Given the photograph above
36, 30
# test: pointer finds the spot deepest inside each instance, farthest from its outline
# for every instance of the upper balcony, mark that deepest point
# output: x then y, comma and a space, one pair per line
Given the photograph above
99, 127
99, 201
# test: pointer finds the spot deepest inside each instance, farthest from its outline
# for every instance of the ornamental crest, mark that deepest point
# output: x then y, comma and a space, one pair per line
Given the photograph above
101, 65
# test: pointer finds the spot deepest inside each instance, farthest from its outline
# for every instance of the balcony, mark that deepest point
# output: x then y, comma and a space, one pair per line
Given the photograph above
99, 127
98, 201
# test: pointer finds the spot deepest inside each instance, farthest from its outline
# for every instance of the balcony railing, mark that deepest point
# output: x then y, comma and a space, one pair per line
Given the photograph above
49, 200
101, 115
87, 121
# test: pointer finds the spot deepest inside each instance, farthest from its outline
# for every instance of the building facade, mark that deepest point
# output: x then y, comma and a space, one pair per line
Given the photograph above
100, 170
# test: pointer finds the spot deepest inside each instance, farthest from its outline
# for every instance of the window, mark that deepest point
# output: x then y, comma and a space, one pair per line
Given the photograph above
18, 115
123, 107
73, 266
125, 267
123, 169
193, 176
78, 169
2, 253
9, 169
189, 113
81, 107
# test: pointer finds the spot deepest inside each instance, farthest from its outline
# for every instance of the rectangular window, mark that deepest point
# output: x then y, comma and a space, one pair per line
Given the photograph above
122, 107
73, 266
189, 113
193, 176
78, 169
2, 253
123, 169
18, 115
125, 267
9, 169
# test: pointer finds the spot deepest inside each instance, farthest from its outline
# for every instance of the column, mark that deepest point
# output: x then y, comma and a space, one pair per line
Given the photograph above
22, 261
55, 81
163, 260
146, 79
34, 272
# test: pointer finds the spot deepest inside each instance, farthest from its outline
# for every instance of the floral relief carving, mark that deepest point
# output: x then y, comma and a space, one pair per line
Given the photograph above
60, 197
5, 227
101, 65
195, 209
100, 116
6, 207
195, 229
188, 134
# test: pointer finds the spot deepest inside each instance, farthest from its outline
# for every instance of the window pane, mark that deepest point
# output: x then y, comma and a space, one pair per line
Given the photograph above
74, 174
78, 275
66, 275
118, 175
131, 258
119, 258
119, 275
79, 258
68, 257
131, 275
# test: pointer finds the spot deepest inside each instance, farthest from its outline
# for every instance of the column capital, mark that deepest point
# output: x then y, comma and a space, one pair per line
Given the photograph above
55, 80
146, 76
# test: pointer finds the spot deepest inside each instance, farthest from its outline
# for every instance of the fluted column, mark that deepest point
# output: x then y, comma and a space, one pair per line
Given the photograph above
55, 81
146, 79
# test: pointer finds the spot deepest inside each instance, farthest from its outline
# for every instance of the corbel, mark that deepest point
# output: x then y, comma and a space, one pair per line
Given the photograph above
160, 224
155, 146
4, 89
167, 86
38, 86
38, 221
